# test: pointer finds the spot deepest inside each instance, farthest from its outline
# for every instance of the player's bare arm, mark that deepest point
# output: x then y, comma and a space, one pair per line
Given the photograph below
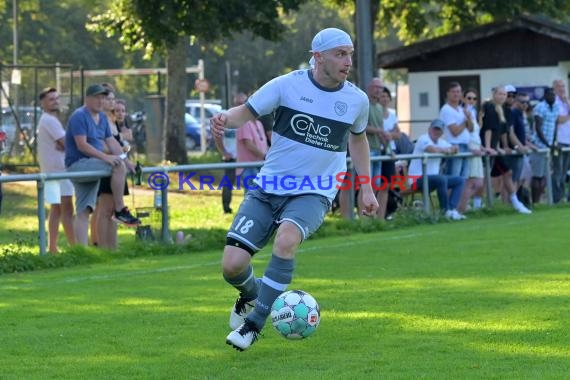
233, 118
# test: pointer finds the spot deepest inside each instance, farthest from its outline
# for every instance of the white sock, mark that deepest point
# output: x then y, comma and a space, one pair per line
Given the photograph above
514, 199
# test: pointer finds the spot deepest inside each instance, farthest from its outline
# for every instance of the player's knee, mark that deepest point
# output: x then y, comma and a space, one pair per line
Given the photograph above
235, 261
287, 239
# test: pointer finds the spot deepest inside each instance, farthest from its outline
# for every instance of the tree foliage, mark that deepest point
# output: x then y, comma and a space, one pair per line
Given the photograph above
160, 25
429, 18
157, 24
420, 19
255, 60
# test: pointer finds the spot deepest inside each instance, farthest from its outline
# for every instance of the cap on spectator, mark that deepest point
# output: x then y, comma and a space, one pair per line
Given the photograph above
96, 89
510, 88
327, 39
437, 123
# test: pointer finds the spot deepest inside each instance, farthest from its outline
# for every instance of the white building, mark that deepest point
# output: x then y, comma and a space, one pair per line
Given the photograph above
528, 52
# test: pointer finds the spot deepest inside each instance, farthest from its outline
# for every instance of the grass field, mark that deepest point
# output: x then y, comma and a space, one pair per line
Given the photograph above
484, 298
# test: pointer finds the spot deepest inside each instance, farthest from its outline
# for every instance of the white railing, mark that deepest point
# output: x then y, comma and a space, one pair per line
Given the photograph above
41, 178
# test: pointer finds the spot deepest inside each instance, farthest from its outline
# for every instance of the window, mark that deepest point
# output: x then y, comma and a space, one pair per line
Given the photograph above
424, 99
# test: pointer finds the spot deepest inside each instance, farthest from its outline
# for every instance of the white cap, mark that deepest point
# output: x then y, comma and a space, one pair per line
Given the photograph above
510, 88
327, 39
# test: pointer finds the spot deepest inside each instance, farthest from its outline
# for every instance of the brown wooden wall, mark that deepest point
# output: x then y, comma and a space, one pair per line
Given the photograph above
517, 48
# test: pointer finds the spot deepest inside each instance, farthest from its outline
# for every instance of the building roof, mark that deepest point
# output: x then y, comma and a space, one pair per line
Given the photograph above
400, 57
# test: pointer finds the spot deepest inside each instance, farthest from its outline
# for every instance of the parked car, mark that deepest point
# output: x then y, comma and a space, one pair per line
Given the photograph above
210, 109
8, 126
194, 131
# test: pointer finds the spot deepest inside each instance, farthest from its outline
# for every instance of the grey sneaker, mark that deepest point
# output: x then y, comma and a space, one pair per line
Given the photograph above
240, 310
244, 336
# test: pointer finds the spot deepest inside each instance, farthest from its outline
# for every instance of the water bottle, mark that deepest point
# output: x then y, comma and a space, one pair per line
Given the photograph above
138, 174
158, 199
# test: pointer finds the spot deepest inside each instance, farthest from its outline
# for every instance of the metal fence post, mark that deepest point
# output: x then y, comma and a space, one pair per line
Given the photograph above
351, 192
41, 216
489, 185
549, 197
165, 233
425, 185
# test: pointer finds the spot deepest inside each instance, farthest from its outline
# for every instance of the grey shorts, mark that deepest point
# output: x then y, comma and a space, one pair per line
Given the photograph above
261, 213
86, 188
538, 165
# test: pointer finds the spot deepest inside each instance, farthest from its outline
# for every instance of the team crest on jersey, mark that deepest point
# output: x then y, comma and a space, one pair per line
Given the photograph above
340, 108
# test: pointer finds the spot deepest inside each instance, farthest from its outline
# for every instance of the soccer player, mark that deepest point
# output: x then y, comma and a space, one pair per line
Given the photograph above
317, 113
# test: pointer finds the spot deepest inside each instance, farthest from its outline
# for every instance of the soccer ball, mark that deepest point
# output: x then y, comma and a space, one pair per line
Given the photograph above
295, 314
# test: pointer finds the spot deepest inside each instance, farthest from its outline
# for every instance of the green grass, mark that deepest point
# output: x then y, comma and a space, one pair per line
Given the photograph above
484, 298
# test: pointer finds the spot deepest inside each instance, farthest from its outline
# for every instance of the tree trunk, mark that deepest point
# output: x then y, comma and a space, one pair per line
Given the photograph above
175, 99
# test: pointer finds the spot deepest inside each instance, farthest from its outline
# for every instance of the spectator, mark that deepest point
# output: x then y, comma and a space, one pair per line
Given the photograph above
474, 186
378, 139
511, 142
103, 229
227, 146
251, 146
520, 143
494, 129
561, 161
524, 192
121, 120
51, 156
449, 187
88, 132
458, 125
545, 117
391, 135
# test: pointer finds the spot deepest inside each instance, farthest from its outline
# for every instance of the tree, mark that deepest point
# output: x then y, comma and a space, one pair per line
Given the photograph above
54, 31
416, 20
157, 25
430, 18
257, 60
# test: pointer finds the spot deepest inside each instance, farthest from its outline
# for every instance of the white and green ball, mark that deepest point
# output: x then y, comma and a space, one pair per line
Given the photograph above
295, 314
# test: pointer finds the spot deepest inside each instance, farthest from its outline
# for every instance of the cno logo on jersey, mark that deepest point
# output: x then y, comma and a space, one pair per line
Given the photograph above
340, 108
312, 132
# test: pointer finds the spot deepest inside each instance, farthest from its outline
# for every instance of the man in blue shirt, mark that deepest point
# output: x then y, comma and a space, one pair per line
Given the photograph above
87, 133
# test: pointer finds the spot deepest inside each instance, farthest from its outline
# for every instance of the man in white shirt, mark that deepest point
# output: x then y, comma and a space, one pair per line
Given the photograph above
432, 142
458, 125
51, 156
561, 161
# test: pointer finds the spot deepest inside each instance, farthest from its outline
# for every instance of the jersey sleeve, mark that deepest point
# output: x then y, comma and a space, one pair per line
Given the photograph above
267, 98
361, 121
